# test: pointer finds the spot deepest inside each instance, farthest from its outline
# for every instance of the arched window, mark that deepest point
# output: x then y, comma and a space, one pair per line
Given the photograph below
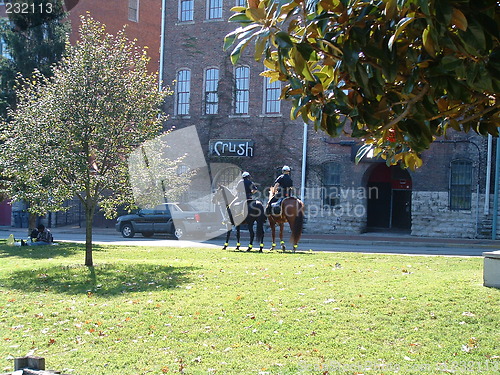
460, 185
331, 184
241, 90
183, 92
211, 91
272, 92
186, 10
214, 9
228, 177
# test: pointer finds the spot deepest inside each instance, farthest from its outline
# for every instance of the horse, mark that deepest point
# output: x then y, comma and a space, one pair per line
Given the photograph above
235, 214
292, 211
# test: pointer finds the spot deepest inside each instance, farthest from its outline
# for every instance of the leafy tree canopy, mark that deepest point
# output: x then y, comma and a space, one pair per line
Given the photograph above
34, 39
393, 73
70, 134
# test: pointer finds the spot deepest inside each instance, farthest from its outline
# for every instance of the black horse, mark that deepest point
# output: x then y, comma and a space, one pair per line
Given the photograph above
236, 213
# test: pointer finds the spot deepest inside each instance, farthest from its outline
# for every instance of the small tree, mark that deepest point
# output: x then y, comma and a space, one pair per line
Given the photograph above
71, 134
34, 34
394, 73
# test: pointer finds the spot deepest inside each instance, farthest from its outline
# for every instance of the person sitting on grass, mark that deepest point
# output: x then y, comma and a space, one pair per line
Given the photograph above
44, 237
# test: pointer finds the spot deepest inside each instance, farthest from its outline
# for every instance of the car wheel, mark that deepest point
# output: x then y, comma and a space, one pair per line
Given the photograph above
128, 231
147, 234
179, 232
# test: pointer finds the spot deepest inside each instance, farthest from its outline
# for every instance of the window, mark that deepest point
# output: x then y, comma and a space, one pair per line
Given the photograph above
183, 92
241, 3
242, 90
228, 177
461, 185
214, 9
186, 10
211, 91
272, 96
133, 10
331, 184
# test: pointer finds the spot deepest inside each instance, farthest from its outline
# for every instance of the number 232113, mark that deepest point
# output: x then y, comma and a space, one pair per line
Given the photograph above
27, 8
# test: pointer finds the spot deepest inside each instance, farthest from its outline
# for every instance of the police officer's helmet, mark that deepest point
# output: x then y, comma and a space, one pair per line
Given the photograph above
245, 174
285, 168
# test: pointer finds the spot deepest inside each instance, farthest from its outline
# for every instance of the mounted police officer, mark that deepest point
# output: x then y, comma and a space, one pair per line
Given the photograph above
247, 186
244, 194
282, 188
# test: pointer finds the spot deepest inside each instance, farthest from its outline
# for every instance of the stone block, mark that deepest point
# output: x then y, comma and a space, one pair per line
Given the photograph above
491, 271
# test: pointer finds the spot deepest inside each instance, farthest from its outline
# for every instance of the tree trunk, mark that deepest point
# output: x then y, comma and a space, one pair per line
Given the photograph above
89, 219
31, 222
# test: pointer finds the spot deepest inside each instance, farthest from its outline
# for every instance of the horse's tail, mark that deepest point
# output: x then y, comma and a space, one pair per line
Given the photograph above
298, 223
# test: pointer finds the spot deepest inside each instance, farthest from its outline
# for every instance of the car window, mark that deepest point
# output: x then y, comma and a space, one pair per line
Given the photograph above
146, 211
173, 208
186, 207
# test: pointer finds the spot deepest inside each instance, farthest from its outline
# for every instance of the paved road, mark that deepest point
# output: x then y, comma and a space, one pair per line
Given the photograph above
381, 243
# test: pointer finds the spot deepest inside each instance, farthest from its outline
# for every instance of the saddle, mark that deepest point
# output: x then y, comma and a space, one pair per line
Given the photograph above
276, 207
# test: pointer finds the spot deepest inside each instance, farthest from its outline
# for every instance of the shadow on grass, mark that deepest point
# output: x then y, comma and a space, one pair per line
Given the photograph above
105, 280
44, 252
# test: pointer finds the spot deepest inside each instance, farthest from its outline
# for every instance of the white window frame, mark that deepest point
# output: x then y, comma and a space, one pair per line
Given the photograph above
272, 93
211, 91
242, 89
182, 92
461, 182
331, 185
133, 12
215, 9
189, 12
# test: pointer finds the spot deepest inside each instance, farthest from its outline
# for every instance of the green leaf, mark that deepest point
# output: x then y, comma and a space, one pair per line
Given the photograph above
444, 11
228, 41
239, 17
399, 29
362, 152
428, 41
283, 40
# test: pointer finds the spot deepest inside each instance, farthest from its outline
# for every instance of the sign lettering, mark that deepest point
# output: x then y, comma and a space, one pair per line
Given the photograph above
231, 147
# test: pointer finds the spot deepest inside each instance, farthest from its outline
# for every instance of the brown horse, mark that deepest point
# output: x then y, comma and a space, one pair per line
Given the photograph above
292, 211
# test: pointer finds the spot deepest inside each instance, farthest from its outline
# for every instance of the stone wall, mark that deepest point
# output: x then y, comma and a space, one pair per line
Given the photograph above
432, 217
349, 216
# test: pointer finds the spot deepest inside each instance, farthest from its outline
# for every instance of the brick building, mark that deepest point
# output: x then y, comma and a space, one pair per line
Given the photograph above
232, 104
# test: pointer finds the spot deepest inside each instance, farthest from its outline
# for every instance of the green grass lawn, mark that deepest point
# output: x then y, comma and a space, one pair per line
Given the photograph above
206, 311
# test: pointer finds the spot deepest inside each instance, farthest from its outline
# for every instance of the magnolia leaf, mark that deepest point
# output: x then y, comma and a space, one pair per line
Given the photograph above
390, 8
428, 42
399, 29
458, 19
255, 14
363, 151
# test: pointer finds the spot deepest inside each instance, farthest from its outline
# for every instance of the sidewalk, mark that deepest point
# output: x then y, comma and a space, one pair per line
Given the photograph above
363, 239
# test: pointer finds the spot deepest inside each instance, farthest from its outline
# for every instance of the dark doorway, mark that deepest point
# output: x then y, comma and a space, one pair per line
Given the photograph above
389, 198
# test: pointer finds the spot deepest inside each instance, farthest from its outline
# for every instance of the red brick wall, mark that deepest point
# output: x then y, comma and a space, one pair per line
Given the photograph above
114, 14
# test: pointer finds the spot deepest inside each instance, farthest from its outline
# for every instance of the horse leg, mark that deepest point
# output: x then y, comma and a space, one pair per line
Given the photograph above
282, 242
226, 244
238, 244
273, 235
291, 222
252, 236
260, 234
